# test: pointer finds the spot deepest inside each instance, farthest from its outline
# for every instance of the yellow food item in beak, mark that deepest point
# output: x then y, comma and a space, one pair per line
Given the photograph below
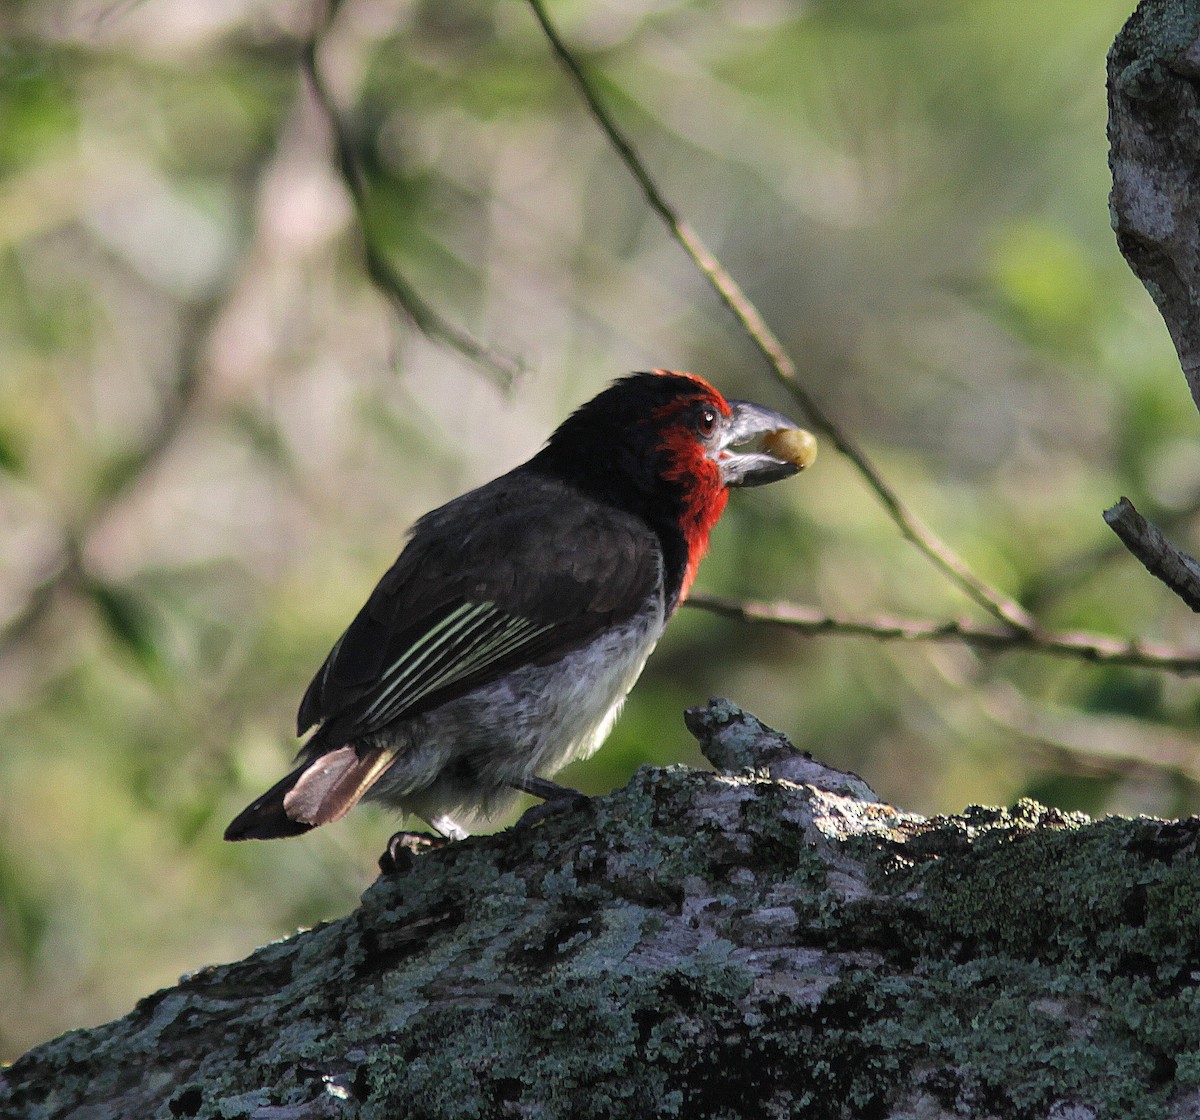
792, 445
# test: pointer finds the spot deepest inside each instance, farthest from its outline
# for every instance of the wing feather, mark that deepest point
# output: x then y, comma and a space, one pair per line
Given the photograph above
454, 655
507, 575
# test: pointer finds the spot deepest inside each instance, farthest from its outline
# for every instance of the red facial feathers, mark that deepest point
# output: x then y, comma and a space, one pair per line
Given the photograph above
688, 463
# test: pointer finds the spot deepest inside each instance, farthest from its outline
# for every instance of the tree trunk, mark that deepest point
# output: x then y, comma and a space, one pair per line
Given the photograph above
1154, 133
1154, 154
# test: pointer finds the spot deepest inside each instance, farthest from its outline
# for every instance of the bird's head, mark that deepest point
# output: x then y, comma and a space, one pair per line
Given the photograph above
667, 446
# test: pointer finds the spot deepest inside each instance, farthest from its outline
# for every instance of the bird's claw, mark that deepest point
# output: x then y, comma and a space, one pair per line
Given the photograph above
404, 847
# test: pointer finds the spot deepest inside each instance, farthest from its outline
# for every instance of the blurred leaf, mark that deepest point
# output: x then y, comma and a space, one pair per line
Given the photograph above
11, 453
507, 88
1046, 285
24, 912
194, 817
394, 200
48, 314
1149, 417
129, 620
217, 120
262, 434
116, 472
36, 103
1125, 692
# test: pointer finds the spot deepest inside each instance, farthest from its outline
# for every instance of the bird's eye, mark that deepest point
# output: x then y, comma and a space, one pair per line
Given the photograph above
706, 422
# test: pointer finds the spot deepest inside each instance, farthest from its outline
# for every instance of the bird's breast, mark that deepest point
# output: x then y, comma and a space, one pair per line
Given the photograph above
591, 685
535, 719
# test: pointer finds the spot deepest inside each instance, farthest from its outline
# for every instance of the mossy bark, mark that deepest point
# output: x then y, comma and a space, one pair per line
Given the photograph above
766, 941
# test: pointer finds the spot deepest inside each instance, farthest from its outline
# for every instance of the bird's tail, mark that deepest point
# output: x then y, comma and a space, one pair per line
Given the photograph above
318, 791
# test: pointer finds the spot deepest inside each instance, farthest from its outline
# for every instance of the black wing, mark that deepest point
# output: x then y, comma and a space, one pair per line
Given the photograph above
516, 572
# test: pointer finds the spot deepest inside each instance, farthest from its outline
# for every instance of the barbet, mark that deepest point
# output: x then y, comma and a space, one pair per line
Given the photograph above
502, 643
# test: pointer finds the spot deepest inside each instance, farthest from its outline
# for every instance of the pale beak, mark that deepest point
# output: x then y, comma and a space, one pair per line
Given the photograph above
748, 422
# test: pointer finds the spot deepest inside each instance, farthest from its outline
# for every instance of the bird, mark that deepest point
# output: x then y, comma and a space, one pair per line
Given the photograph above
502, 643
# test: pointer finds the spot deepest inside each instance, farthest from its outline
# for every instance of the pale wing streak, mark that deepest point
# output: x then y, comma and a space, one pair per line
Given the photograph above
429, 644
478, 629
518, 632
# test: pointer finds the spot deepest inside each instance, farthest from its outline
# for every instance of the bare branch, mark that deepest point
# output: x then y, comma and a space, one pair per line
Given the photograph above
383, 274
1006, 609
1094, 648
1179, 571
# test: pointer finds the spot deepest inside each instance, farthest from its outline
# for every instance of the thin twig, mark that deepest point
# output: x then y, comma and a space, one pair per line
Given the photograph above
1003, 607
39, 598
1093, 648
1085, 743
1179, 571
382, 273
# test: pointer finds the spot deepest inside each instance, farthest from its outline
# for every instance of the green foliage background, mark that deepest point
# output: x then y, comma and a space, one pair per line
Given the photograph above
214, 431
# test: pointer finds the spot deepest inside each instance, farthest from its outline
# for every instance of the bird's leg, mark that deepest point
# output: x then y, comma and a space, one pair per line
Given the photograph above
445, 827
546, 789
404, 847
554, 797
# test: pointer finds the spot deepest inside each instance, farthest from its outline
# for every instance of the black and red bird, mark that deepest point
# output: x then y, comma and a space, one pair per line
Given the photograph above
503, 641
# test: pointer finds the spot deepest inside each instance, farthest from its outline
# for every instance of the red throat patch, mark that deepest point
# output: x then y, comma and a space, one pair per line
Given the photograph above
705, 506
704, 494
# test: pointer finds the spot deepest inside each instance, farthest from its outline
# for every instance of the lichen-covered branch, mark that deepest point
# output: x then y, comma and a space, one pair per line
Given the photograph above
765, 941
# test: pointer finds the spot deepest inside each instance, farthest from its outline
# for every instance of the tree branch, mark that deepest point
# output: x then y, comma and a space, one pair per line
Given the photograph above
1066, 576
1093, 648
383, 274
767, 940
1179, 571
1003, 607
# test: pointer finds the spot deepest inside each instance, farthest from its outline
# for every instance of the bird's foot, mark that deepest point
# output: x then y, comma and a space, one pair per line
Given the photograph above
555, 798
404, 847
